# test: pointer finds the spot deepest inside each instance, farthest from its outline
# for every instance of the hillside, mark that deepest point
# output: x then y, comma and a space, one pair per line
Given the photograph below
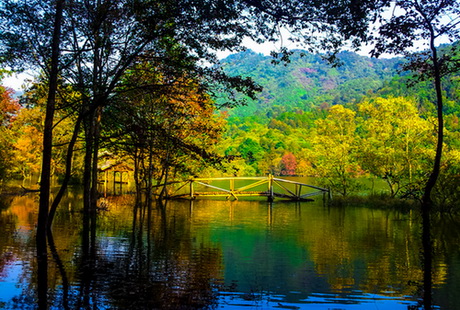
308, 81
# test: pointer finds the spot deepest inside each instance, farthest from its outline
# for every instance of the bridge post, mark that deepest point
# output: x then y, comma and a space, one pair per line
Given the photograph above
327, 194
270, 188
106, 182
192, 192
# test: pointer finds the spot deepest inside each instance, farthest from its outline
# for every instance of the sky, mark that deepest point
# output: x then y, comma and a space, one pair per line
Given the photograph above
17, 80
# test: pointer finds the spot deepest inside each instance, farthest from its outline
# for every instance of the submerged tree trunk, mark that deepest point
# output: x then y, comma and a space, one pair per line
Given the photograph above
90, 164
137, 176
149, 176
60, 266
42, 274
165, 175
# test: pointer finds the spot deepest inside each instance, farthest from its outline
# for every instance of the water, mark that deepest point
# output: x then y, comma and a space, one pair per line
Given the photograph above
225, 255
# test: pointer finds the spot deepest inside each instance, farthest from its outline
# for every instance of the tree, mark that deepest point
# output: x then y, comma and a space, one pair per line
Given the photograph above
395, 141
109, 37
334, 150
32, 36
288, 164
250, 150
429, 21
168, 128
397, 27
27, 147
28, 128
9, 106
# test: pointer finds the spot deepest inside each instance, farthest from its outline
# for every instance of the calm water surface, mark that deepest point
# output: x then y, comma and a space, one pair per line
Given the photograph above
225, 255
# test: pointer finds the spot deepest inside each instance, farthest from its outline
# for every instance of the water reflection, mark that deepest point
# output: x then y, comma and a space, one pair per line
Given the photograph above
427, 260
226, 254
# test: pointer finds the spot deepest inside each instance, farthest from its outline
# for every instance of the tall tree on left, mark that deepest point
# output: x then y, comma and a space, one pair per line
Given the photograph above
38, 42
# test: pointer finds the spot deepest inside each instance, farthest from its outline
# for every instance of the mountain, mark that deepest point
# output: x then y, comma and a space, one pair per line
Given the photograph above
308, 81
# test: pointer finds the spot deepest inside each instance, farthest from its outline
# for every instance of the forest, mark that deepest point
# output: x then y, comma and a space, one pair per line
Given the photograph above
364, 113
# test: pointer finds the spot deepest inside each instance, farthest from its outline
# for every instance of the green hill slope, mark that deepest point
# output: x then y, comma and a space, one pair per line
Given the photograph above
309, 81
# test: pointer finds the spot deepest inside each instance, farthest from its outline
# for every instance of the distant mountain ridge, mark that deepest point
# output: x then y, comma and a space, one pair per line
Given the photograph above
308, 81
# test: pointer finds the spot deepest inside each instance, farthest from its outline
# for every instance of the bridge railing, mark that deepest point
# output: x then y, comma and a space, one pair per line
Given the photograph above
268, 186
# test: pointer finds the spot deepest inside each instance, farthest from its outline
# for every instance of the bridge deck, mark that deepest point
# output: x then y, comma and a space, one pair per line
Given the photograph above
274, 187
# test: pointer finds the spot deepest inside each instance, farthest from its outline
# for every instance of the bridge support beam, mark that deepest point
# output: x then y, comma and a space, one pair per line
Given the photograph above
192, 190
271, 197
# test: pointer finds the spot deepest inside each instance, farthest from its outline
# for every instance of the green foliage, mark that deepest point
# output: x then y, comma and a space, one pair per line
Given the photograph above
250, 150
447, 191
335, 150
412, 21
395, 141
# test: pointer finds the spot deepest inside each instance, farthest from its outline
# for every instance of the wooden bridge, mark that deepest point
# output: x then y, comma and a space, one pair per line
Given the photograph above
268, 186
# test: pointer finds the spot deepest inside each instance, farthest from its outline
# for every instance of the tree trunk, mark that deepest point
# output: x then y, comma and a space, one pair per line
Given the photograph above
150, 175
42, 274
166, 175
68, 173
94, 165
137, 176
89, 134
426, 199
45, 182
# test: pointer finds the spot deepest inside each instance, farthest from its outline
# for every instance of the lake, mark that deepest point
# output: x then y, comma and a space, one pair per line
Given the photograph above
219, 254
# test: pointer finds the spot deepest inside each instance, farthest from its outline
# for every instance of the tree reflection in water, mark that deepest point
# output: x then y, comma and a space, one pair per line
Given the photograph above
62, 271
219, 254
427, 260
42, 274
157, 269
